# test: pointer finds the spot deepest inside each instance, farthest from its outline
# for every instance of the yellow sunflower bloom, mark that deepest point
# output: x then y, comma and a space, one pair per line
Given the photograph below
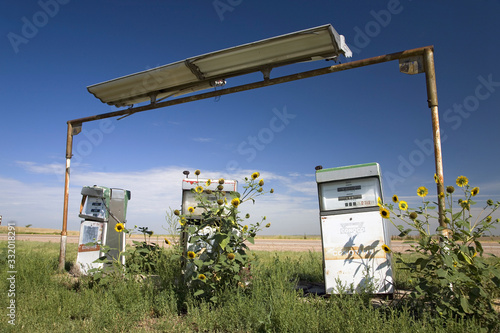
119, 227
198, 189
235, 202
207, 184
403, 205
474, 191
462, 181
261, 182
191, 210
255, 175
268, 225
379, 202
202, 277
182, 221
386, 249
167, 241
244, 229
191, 255
395, 198
230, 256
384, 213
422, 191
221, 181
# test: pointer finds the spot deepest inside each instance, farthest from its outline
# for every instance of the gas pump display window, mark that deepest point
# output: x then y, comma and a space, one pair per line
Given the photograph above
346, 194
189, 200
95, 207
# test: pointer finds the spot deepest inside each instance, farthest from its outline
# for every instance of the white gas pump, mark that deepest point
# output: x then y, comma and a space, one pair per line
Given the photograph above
101, 208
353, 231
188, 200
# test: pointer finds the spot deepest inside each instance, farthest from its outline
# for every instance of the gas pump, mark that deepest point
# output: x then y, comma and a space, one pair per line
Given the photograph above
101, 208
188, 200
352, 230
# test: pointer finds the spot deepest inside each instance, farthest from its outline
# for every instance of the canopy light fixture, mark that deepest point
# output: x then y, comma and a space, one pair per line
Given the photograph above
211, 69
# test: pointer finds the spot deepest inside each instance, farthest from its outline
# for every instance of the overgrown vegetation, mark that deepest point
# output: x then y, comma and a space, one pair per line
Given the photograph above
209, 286
49, 301
452, 275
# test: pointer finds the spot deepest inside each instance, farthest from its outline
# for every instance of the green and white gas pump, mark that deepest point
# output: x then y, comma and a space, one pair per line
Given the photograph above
101, 208
352, 230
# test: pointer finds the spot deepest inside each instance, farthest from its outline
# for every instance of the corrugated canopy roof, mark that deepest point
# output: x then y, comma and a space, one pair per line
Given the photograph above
202, 72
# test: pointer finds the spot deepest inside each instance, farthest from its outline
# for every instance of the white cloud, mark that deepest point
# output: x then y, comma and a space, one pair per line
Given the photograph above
291, 209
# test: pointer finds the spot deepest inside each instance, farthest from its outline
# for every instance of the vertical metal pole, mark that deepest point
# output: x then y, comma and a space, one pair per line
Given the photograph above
430, 77
69, 153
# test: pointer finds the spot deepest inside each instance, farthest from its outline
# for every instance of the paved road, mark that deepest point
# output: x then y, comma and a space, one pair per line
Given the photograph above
298, 245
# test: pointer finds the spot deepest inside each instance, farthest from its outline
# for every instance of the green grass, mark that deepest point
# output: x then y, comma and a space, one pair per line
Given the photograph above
48, 301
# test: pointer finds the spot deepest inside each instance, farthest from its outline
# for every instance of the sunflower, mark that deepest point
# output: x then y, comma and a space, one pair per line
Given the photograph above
208, 182
197, 172
191, 210
230, 256
220, 202
450, 189
255, 175
247, 216
436, 179
182, 221
167, 241
235, 202
403, 205
462, 181
272, 190
268, 225
198, 189
177, 212
191, 255
422, 191
465, 204
202, 277
395, 198
384, 213
261, 182
119, 227
221, 181
244, 229
413, 215
386, 249
220, 187
379, 202
474, 191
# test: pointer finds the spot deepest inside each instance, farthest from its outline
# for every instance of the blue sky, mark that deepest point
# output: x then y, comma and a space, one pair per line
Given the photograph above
53, 49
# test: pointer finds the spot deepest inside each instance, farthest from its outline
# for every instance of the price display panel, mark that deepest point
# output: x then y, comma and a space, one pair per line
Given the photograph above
347, 194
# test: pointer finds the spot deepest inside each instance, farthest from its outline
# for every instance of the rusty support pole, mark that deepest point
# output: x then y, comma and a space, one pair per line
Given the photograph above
69, 153
430, 77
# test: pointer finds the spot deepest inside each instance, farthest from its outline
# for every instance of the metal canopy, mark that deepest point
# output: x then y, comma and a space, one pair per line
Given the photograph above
209, 70
305, 45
